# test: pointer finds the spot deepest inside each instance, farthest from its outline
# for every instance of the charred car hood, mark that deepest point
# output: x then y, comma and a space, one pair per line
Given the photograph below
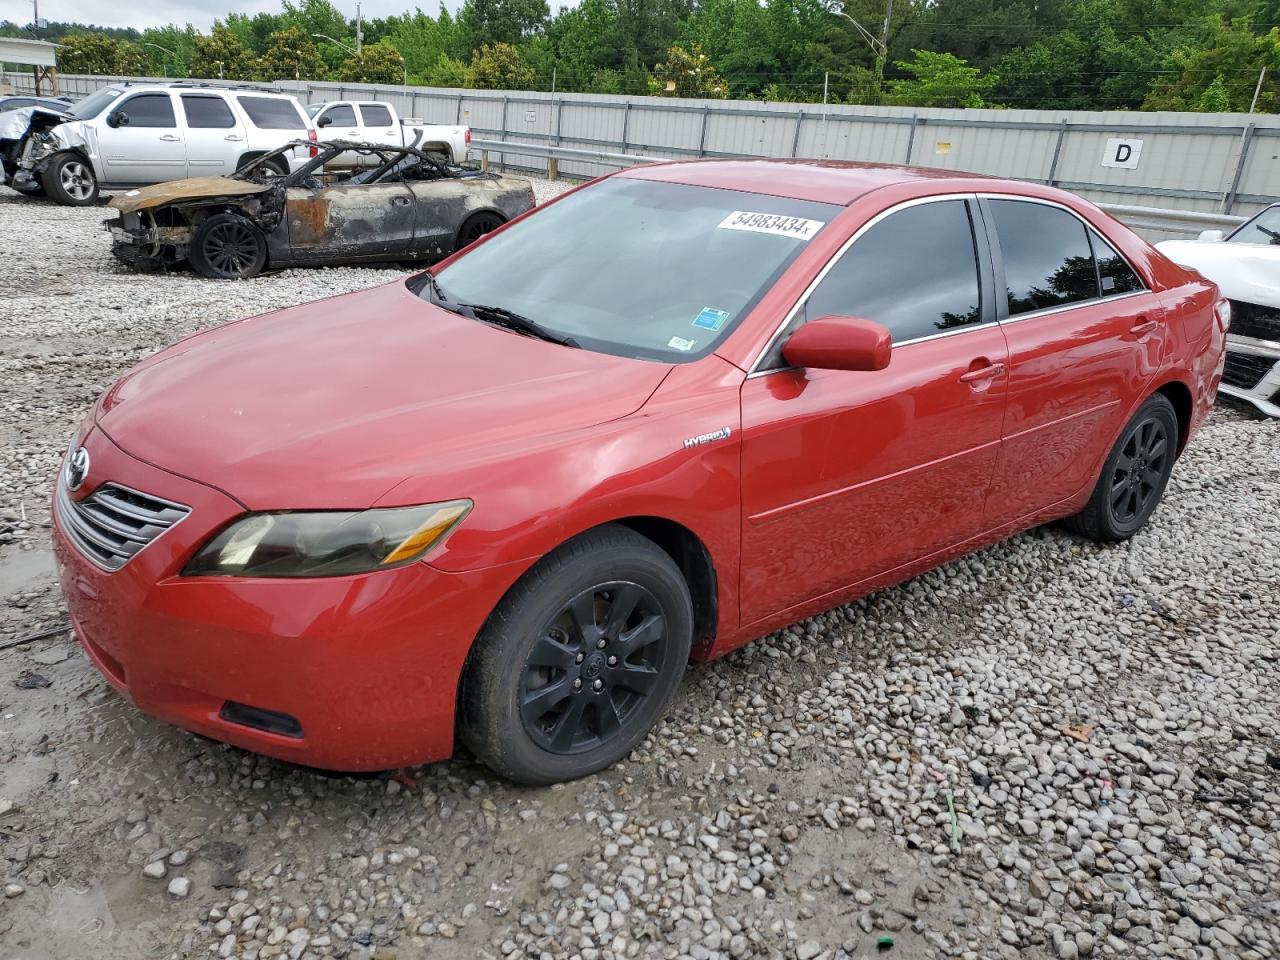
332, 404
197, 188
1247, 272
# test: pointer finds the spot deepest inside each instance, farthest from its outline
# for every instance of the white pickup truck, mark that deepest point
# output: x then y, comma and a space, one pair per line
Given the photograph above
360, 121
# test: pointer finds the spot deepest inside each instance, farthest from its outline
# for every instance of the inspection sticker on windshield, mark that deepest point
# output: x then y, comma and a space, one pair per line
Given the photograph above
710, 318
680, 343
797, 227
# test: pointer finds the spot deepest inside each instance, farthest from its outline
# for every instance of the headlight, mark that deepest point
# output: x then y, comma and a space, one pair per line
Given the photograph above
326, 544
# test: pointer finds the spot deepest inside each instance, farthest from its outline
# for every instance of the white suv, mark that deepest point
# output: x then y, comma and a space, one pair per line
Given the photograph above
132, 134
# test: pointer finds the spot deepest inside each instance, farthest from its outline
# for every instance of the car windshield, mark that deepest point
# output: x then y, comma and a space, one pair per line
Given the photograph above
636, 268
94, 104
1263, 229
315, 108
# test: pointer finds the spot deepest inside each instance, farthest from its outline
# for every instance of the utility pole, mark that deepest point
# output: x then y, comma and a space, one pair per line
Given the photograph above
359, 31
1258, 89
883, 54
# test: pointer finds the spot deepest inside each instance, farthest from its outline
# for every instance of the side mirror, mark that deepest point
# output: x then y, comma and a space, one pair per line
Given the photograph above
324, 121
839, 343
1210, 235
118, 119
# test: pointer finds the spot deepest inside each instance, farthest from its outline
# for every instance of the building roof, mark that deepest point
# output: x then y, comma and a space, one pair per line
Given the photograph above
825, 181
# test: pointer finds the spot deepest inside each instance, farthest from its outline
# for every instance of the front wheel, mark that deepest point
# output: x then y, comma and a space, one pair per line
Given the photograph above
579, 660
228, 246
69, 180
1134, 476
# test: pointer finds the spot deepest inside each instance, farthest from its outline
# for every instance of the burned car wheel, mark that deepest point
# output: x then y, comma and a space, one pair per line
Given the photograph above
228, 247
477, 225
70, 181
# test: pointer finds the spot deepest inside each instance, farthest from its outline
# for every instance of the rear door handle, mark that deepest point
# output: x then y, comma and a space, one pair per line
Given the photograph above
169, 137
1143, 327
989, 372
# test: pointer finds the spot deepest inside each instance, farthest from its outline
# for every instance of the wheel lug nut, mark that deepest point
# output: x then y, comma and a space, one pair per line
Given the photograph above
598, 685
579, 658
601, 643
613, 661
577, 684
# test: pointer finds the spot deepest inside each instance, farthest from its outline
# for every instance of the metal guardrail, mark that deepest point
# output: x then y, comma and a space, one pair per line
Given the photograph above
1145, 218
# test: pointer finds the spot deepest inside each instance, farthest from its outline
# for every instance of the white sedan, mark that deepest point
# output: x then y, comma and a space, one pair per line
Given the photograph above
1246, 267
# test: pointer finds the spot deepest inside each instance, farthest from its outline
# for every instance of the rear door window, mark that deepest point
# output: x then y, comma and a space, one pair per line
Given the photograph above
204, 112
1115, 276
375, 115
272, 113
915, 272
1047, 258
149, 110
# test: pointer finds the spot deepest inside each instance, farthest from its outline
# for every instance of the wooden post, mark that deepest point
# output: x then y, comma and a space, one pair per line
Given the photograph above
553, 168
484, 161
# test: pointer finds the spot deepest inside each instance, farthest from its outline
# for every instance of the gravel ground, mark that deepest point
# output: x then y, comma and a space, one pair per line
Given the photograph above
1102, 721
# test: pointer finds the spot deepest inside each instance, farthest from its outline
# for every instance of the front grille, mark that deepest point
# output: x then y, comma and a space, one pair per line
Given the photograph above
1252, 320
113, 523
1246, 370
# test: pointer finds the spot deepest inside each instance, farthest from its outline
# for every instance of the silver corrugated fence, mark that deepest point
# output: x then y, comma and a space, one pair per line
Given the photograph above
1208, 163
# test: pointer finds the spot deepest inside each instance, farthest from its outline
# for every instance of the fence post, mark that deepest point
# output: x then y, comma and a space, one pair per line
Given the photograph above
1057, 152
911, 138
626, 119
795, 139
702, 133
457, 117
502, 163
1246, 141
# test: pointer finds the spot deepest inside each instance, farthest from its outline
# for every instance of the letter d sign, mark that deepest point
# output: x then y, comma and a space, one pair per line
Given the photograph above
1122, 153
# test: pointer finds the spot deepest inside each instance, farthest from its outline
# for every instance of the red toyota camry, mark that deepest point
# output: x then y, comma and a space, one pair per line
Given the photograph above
666, 413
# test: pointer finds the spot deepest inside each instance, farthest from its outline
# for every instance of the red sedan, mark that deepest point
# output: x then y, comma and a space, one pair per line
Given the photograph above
671, 411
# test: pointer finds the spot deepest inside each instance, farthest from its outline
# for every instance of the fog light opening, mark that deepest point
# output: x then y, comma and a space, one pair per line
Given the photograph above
268, 721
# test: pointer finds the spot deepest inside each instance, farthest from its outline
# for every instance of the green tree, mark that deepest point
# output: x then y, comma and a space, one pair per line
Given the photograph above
448, 72
688, 73
492, 22
1228, 60
222, 55
376, 63
421, 40
939, 80
97, 53
291, 55
498, 66
178, 45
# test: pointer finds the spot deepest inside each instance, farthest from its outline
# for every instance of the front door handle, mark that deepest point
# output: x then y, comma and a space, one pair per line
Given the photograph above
989, 372
400, 201
235, 138
1142, 327
170, 138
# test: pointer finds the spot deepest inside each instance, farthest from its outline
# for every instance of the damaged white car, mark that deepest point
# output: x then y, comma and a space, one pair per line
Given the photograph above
134, 134
1246, 267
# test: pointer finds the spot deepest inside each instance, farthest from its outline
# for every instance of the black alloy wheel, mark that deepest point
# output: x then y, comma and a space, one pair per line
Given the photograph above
579, 660
592, 667
1134, 476
477, 225
228, 247
1139, 472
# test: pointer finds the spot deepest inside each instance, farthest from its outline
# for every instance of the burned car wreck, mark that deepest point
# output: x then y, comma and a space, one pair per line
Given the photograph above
397, 204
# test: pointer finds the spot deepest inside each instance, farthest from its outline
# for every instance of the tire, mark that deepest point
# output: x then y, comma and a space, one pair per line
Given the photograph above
1134, 475
228, 246
69, 180
477, 225
556, 688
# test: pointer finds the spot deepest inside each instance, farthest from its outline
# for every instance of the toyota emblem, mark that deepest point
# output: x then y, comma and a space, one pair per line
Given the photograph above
77, 469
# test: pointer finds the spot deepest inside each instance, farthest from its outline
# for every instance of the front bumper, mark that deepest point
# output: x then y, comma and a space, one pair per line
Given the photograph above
1252, 372
367, 666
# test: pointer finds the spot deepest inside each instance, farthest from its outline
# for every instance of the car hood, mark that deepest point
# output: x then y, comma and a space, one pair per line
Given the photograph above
197, 188
14, 124
1247, 272
332, 404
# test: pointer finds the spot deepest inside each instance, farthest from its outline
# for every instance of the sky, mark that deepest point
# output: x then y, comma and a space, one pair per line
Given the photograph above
199, 13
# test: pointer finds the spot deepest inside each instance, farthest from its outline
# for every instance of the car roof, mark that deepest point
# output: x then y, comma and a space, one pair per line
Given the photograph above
824, 181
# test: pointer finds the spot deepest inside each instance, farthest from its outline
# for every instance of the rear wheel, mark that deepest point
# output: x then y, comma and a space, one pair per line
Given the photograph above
477, 225
228, 246
1135, 475
579, 660
70, 181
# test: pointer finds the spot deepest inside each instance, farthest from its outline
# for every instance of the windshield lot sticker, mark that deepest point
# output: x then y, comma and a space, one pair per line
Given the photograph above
711, 319
680, 343
797, 227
